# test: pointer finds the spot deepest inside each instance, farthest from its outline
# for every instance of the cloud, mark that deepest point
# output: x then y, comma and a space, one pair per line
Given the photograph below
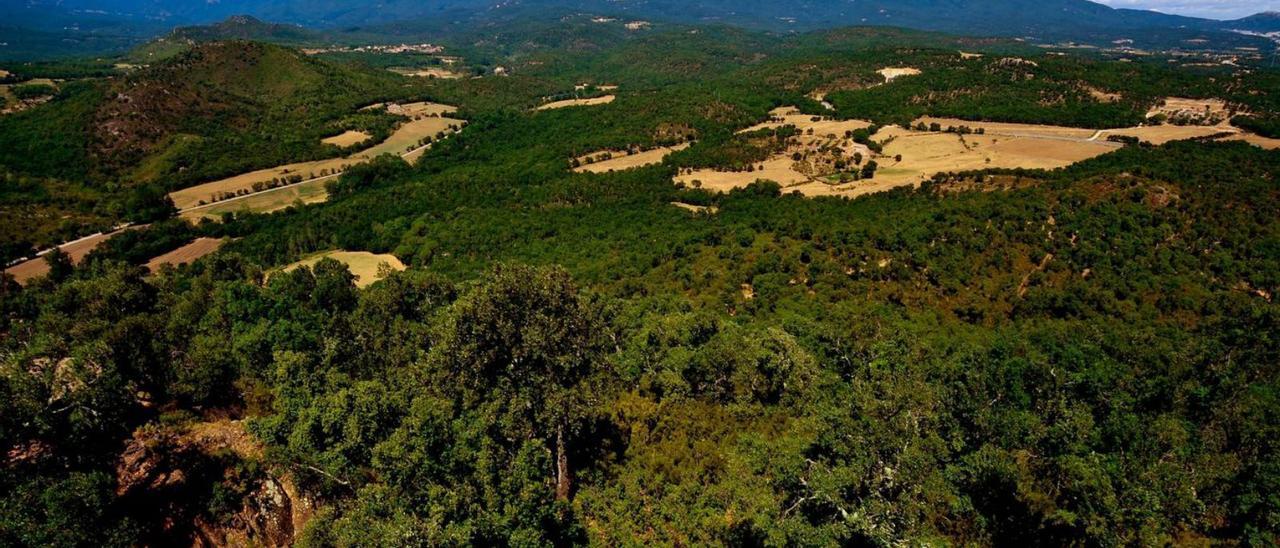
1214, 9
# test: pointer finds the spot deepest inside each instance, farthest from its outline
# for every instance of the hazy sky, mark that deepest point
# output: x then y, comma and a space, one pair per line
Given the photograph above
1216, 9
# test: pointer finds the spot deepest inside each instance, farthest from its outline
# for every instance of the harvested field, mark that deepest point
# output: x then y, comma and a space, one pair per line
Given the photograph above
426, 120
891, 73
186, 254
965, 55
578, 102
363, 265
267, 201
77, 250
621, 160
347, 139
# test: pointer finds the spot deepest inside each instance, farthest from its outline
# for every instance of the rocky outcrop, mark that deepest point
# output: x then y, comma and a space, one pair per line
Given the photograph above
169, 476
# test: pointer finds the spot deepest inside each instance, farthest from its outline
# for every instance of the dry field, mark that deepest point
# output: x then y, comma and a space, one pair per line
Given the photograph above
890, 73
426, 120
1014, 130
77, 250
346, 139
578, 102
821, 126
1159, 135
1255, 140
622, 160
186, 254
965, 55
428, 72
363, 265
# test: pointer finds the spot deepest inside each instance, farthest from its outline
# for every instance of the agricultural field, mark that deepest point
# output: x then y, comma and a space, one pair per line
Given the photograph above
909, 156
428, 72
307, 192
565, 103
186, 254
426, 121
34, 268
347, 138
614, 160
367, 267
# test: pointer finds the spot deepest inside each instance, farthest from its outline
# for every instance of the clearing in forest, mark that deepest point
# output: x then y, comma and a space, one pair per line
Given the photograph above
186, 254
603, 100
364, 265
613, 160
427, 121
347, 138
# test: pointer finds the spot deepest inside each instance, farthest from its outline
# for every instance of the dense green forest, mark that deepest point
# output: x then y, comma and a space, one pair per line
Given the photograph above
1087, 356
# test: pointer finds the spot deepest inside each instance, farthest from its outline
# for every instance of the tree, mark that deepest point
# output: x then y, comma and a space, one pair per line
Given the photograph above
524, 346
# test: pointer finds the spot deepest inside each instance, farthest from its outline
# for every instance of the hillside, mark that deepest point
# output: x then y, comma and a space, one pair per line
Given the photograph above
218, 108
238, 27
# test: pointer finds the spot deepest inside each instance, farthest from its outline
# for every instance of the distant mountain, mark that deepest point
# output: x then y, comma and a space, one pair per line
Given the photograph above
1262, 22
1039, 20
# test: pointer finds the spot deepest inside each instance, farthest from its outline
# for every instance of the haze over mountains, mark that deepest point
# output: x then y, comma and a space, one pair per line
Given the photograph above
59, 24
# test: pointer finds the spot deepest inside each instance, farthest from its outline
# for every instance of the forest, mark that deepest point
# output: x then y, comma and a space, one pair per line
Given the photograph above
1084, 356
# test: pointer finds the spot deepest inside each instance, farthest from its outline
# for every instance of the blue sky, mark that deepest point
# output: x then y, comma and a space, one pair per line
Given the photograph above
1215, 9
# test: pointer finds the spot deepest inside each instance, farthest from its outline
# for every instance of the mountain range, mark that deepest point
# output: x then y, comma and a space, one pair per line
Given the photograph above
67, 23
